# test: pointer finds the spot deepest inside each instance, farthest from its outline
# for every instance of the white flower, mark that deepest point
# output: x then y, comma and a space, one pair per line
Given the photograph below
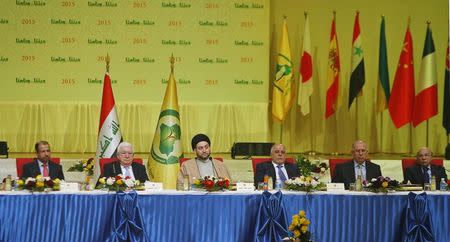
110, 180
129, 183
30, 179
322, 169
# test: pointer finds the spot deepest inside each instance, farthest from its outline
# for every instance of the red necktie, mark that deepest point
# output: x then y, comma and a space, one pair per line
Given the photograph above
44, 169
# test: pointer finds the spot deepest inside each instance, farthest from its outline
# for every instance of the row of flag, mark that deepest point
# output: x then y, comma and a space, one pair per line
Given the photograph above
404, 104
166, 146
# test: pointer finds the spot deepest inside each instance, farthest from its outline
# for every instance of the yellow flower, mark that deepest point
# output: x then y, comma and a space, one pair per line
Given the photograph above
384, 184
302, 220
57, 181
291, 227
302, 213
39, 184
20, 182
306, 222
102, 180
308, 179
295, 220
296, 233
89, 167
39, 177
304, 229
197, 182
119, 182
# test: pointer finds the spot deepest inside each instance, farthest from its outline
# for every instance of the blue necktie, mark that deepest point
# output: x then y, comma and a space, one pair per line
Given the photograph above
426, 176
281, 173
127, 171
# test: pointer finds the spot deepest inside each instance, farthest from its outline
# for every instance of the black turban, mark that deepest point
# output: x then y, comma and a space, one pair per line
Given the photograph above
199, 138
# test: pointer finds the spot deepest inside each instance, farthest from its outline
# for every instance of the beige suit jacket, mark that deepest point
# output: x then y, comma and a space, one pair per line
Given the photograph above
190, 168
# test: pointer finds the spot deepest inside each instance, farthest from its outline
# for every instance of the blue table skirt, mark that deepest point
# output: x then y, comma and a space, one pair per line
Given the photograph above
211, 217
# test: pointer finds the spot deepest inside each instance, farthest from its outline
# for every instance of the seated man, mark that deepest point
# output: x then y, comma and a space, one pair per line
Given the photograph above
421, 172
202, 165
42, 165
360, 165
125, 165
278, 169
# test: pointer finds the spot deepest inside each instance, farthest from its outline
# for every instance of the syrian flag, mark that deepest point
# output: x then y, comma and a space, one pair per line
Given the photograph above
109, 135
305, 87
425, 103
357, 78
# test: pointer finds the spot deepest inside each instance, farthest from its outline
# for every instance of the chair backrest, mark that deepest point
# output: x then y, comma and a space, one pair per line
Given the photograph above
256, 161
412, 161
22, 161
187, 158
334, 161
104, 161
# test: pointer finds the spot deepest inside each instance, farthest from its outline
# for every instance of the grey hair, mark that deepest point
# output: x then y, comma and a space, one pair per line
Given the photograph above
123, 145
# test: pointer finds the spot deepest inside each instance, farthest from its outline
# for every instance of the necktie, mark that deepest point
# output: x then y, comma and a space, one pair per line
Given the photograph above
281, 173
44, 169
360, 173
426, 177
127, 171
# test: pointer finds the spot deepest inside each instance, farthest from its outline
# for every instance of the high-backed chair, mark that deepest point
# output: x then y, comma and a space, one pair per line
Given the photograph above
22, 161
104, 161
187, 158
334, 161
412, 161
256, 161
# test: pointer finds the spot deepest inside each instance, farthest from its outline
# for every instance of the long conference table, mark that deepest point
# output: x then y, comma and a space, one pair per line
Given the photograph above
215, 216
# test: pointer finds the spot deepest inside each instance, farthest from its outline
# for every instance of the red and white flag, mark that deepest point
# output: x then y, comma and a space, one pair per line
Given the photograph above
109, 135
305, 87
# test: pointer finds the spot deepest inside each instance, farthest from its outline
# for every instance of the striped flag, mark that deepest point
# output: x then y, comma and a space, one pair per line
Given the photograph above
305, 87
383, 88
446, 113
283, 85
401, 101
357, 78
109, 135
334, 69
166, 148
425, 103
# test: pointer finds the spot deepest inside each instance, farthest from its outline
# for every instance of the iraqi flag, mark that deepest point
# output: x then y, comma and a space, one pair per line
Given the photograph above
109, 135
425, 103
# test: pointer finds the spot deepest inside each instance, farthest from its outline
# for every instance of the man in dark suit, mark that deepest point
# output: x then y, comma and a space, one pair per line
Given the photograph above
278, 169
360, 165
42, 165
423, 171
125, 165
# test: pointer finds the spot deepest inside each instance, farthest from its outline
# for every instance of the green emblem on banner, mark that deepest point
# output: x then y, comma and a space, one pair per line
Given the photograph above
166, 147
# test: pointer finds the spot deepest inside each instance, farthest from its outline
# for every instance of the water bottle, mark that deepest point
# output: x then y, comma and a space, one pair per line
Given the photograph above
433, 183
443, 185
270, 183
8, 183
278, 185
358, 183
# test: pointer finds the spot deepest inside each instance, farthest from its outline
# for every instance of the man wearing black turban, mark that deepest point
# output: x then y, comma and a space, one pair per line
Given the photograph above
202, 165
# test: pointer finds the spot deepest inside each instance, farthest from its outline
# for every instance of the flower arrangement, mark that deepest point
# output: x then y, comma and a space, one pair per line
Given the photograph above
306, 167
299, 228
381, 184
39, 184
86, 166
304, 183
212, 183
119, 183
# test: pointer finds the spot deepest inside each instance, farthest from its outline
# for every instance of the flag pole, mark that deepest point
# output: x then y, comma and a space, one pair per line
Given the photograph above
381, 132
426, 134
107, 60
356, 118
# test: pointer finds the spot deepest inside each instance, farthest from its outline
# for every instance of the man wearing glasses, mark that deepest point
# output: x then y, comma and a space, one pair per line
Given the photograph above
423, 171
360, 165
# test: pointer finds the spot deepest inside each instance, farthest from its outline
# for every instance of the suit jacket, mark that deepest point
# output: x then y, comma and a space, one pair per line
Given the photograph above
113, 169
190, 168
267, 168
345, 172
414, 174
32, 170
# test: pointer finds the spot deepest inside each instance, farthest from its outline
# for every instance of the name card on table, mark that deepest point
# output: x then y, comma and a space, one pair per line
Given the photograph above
334, 187
69, 187
153, 186
245, 187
